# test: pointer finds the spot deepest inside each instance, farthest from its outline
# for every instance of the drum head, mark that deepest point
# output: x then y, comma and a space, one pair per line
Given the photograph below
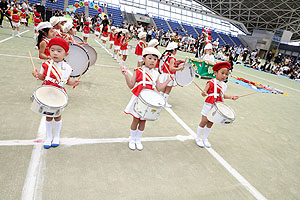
77, 59
225, 110
186, 76
51, 96
153, 98
77, 38
92, 53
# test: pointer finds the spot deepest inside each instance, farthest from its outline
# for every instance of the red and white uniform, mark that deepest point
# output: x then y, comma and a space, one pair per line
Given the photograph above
15, 20
56, 74
47, 51
124, 48
112, 37
210, 100
139, 50
68, 37
166, 70
23, 17
86, 31
104, 35
58, 33
97, 31
36, 22
142, 73
117, 42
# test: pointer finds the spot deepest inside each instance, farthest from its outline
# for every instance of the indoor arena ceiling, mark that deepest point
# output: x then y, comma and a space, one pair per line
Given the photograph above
260, 14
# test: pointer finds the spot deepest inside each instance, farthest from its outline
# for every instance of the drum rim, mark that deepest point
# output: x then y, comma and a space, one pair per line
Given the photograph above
50, 86
88, 60
189, 82
78, 37
88, 53
215, 104
143, 100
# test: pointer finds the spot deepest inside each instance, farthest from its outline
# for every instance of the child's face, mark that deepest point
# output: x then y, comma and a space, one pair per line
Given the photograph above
150, 61
222, 74
51, 33
144, 38
57, 53
72, 31
58, 26
174, 52
62, 23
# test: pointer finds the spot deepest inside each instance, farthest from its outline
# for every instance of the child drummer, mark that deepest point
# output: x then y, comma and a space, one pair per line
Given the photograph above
150, 77
55, 72
221, 71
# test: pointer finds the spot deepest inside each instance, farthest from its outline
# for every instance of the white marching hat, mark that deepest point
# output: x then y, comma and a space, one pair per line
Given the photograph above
142, 35
153, 43
208, 46
54, 20
67, 27
151, 51
172, 46
118, 30
43, 25
113, 28
62, 19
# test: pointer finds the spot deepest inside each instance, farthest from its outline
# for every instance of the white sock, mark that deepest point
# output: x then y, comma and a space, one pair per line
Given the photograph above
166, 97
199, 132
162, 94
48, 133
57, 129
206, 132
18, 32
13, 32
123, 63
132, 135
139, 135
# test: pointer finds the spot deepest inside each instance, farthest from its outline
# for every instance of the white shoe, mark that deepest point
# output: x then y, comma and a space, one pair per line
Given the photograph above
12, 35
18, 36
206, 143
139, 146
199, 142
168, 105
131, 145
47, 143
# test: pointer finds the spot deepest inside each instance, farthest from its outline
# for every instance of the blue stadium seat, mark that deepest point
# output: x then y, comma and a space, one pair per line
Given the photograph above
176, 27
226, 39
237, 41
161, 23
190, 30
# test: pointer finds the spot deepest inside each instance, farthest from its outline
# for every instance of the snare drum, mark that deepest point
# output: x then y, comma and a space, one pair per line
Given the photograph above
221, 114
77, 59
186, 76
49, 101
77, 39
92, 53
149, 105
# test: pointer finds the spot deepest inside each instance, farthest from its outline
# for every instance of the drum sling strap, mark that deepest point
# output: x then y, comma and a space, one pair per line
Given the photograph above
144, 82
215, 94
48, 78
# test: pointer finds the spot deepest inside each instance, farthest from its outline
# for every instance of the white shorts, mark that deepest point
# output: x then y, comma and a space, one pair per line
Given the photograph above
111, 42
117, 48
140, 58
16, 24
164, 76
206, 108
97, 33
124, 52
86, 35
104, 38
35, 28
23, 20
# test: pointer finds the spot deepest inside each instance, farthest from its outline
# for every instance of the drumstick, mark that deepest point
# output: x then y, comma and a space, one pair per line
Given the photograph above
87, 63
198, 86
37, 77
244, 95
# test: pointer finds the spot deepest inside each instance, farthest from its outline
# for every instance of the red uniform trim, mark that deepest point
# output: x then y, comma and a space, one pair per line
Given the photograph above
211, 99
139, 77
139, 48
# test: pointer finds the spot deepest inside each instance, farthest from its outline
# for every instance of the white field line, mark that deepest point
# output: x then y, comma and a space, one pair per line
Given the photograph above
12, 37
268, 81
16, 56
81, 141
34, 170
225, 164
